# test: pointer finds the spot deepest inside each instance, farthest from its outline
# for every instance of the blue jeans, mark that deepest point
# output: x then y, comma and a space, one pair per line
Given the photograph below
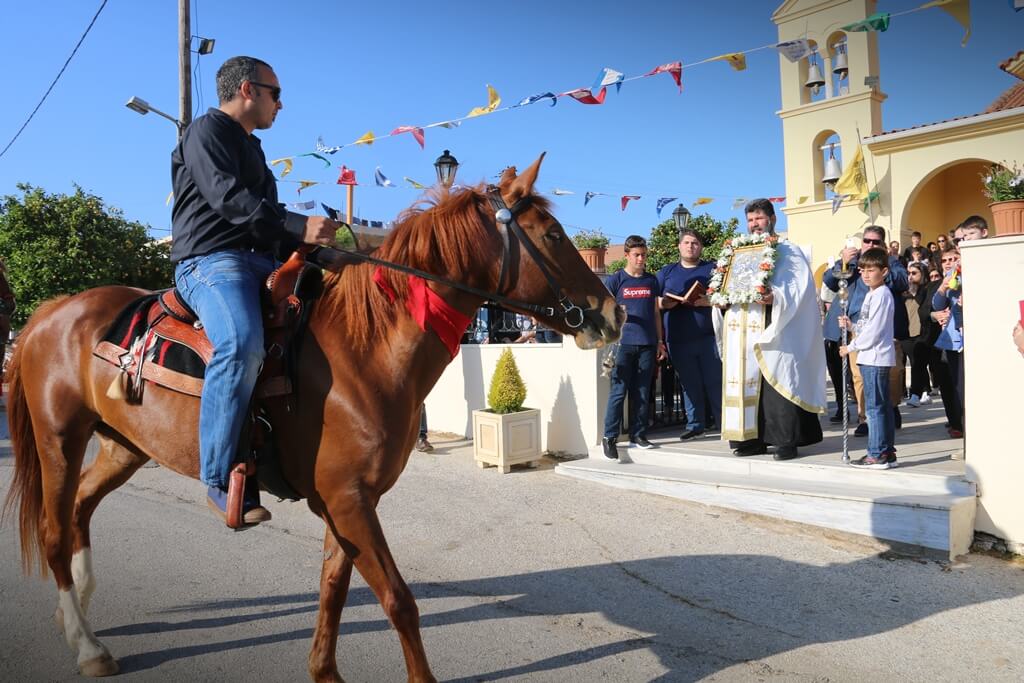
700, 373
634, 368
879, 410
223, 288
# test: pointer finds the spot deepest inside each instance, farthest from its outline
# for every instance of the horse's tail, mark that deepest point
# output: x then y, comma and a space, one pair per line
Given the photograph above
27, 488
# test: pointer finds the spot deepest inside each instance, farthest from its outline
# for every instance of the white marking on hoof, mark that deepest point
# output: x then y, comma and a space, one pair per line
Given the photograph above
101, 666
80, 637
82, 575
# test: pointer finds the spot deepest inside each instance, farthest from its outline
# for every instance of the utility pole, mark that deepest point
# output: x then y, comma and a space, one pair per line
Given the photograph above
184, 66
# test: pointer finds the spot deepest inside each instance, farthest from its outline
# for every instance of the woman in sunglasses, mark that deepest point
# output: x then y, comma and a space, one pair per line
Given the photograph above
948, 312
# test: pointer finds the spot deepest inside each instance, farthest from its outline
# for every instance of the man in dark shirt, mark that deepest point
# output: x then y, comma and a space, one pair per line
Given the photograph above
640, 347
690, 334
227, 227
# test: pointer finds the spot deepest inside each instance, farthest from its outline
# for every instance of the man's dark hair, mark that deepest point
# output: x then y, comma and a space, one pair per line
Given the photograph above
688, 232
915, 234
233, 72
974, 222
635, 242
878, 230
874, 257
951, 247
763, 205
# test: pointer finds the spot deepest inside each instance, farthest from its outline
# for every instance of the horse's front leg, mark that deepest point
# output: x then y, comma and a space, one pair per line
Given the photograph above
361, 537
334, 580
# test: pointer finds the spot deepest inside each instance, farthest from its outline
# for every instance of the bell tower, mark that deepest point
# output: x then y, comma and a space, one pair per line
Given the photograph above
828, 97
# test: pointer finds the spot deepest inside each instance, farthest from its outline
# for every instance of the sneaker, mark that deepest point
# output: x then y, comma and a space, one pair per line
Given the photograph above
252, 511
914, 401
611, 451
423, 446
890, 458
875, 462
690, 434
861, 430
641, 442
955, 433
925, 398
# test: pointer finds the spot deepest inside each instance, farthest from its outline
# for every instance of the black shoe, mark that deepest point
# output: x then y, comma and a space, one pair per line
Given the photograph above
899, 418
757, 449
837, 418
640, 442
611, 451
690, 434
861, 430
785, 453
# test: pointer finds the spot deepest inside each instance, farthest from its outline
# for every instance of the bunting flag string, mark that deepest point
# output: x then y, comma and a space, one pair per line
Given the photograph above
608, 77
737, 60
837, 202
493, 100
380, 179
959, 10
303, 206
542, 96
872, 196
324, 149
584, 96
662, 201
304, 184
794, 50
416, 133
590, 195
739, 202
879, 21
287, 165
701, 201
412, 182
366, 139
777, 200
558, 192
625, 199
675, 69
327, 163
167, 202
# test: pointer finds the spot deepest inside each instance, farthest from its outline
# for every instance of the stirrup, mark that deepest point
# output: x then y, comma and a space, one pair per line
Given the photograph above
237, 517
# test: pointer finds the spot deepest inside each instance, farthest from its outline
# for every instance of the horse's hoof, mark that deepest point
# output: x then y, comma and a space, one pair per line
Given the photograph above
104, 665
58, 618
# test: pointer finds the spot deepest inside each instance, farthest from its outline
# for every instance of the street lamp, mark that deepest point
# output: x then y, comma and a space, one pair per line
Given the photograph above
446, 166
141, 106
205, 46
681, 216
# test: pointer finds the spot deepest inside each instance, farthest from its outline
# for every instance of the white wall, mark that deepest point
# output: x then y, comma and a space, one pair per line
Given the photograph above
561, 380
994, 384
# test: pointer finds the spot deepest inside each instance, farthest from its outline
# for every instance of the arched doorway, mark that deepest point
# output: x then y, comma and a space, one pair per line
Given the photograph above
945, 197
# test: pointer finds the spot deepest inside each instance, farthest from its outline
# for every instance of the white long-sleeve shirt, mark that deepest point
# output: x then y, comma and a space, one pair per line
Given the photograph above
873, 333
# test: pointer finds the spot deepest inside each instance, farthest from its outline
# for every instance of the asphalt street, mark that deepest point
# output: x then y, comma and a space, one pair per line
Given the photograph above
525, 576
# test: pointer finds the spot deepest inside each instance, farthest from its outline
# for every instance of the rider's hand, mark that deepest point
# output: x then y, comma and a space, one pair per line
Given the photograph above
320, 230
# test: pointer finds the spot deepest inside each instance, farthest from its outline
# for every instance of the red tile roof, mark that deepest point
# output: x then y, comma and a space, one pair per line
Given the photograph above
1014, 65
1011, 99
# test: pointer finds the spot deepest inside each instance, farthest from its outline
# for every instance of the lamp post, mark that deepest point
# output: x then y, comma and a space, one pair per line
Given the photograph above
141, 106
446, 165
681, 216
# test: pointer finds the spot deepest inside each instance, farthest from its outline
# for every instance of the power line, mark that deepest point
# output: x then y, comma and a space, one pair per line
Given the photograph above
59, 74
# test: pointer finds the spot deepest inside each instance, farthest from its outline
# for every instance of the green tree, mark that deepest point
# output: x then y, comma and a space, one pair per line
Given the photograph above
62, 244
508, 392
663, 245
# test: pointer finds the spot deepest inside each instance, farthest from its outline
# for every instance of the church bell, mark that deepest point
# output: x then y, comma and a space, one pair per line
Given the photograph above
814, 79
839, 65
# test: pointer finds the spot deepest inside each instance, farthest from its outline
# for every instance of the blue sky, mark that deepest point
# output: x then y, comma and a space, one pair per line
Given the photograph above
351, 67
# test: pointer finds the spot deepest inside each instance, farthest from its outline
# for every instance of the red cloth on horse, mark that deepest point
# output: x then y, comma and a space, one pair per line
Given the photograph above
428, 308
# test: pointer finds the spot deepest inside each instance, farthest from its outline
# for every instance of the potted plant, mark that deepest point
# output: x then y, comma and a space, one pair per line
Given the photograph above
1004, 185
506, 433
592, 245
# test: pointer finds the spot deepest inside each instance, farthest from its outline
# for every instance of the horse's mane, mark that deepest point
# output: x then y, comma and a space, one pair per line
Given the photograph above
442, 234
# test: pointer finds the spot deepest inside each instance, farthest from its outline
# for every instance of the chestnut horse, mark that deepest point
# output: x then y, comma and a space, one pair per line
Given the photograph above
364, 370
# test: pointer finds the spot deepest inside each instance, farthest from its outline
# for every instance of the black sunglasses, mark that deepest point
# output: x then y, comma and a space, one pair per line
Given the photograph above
275, 91
868, 240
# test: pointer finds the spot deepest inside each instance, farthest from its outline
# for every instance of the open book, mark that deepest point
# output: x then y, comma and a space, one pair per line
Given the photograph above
697, 291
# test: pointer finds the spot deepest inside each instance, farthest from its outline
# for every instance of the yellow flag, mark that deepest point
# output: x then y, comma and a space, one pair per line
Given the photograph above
493, 100
854, 181
303, 184
802, 199
737, 60
169, 198
367, 139
959, 10
703, 200
287, 161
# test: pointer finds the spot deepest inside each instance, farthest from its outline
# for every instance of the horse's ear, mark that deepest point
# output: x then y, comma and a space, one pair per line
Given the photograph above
507, 176
522, 186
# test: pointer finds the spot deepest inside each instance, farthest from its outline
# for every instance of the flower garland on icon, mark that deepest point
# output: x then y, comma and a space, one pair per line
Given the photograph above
765, 270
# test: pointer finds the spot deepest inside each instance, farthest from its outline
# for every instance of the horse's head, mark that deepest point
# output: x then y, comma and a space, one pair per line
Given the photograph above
540, 264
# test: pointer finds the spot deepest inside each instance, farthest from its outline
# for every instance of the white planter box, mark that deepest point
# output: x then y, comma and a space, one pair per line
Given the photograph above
506, 440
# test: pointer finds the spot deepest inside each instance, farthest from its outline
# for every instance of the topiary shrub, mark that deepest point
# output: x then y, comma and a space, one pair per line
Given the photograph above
507, 393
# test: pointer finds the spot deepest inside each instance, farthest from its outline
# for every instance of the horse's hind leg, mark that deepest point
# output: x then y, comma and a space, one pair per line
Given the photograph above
334, 581
362, 538
61, 462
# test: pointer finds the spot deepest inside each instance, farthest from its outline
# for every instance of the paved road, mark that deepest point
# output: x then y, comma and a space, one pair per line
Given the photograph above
526, 576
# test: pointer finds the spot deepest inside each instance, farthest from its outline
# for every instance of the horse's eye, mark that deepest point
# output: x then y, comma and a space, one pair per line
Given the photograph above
555, 236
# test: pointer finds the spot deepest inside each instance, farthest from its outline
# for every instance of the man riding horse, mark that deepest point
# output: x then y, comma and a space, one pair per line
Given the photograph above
227, 228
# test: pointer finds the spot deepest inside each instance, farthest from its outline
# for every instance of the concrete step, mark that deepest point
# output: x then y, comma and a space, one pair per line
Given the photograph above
931, 511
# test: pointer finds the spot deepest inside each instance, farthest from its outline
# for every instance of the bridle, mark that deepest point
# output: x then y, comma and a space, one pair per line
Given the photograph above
512, 235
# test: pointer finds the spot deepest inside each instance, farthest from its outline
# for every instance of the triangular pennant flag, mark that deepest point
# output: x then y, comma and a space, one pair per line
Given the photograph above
879, 21
380, 179
324, 149
608, 77
287, 161
673, 68
777, 200
413, 183
303, 184
794, 50
331, 212
584, 96
167, 202
450, 124
347, 176
740, 202
854, 181
737, 60
1017, 5
662, 201
416, 133
625, 199
321, 158
537, 98
872, 196
590, 195
303, 206
558, 192
493, 100
959, 10
837, 201
702, 200
366, 139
